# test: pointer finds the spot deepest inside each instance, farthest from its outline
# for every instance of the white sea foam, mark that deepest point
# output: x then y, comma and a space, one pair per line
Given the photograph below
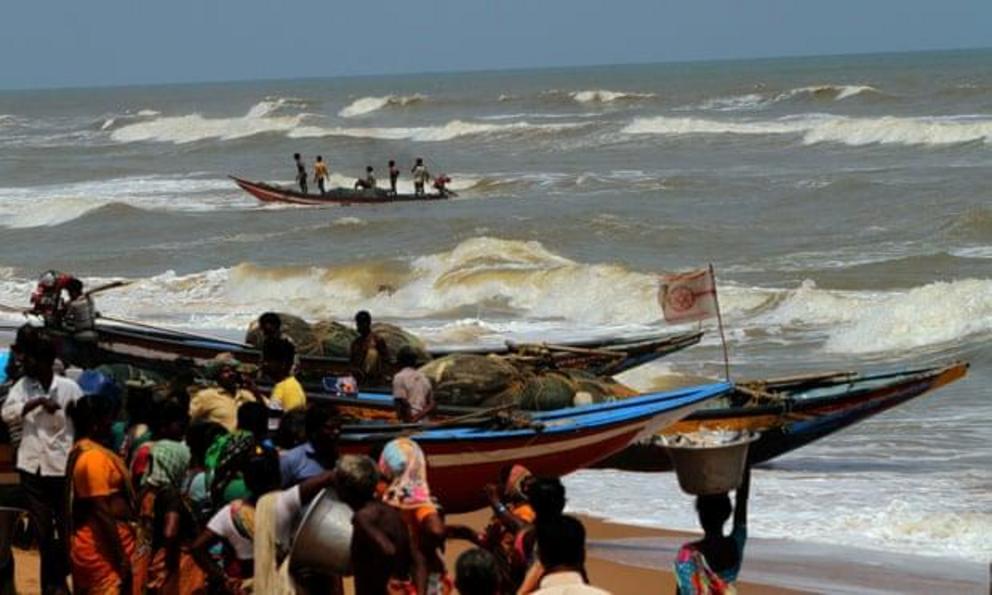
937, 313
445, 132
750, 101
822, 128
279, 114
367, 105
835, 92
606, 96
918, 514
35, 206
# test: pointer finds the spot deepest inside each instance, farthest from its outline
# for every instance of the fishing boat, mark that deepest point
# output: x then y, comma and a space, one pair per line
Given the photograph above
269, 193
167, 351
465, 456
790, 413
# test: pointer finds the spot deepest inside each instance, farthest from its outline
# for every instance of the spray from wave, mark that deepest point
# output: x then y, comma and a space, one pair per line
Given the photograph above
367, 105
823, 128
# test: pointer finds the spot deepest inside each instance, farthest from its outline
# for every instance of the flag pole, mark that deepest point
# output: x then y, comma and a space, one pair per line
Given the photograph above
719, 320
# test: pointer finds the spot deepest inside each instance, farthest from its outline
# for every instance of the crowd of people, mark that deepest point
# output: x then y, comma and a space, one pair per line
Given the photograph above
190, 489
421, 177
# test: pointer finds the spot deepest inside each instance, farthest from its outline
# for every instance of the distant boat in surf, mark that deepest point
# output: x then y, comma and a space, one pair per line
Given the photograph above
270, 193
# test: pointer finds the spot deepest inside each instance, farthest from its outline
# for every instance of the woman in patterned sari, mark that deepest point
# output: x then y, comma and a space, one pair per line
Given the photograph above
101, 506
168, 523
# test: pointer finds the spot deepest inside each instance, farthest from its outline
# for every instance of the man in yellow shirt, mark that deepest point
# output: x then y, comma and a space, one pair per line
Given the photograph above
277, 360
320, 173
220, 404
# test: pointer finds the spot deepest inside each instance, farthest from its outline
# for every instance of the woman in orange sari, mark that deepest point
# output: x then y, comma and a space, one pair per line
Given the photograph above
102, 516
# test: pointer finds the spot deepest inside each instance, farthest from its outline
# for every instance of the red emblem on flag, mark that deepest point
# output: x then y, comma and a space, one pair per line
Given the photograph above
688, 297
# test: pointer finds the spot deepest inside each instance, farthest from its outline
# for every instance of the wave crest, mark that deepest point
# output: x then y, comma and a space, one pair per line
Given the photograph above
607, 96
367, 105
822, 128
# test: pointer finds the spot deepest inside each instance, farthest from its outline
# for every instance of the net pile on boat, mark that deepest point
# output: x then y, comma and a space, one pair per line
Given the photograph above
329, 338
470, 380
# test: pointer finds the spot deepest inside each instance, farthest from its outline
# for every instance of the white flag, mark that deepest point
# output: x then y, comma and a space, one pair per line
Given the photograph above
688, 297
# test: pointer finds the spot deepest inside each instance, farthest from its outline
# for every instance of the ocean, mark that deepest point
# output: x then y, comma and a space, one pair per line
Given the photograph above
843, 201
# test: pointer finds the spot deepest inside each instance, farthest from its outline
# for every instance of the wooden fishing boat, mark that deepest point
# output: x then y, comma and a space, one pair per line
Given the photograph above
167, 351
335, 196
791, 413
464, 457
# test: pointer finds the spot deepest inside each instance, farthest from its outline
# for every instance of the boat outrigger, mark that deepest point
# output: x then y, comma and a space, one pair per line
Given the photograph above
270, 193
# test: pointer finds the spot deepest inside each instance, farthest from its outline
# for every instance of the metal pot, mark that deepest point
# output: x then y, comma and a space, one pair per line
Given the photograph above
705, 469
323, 540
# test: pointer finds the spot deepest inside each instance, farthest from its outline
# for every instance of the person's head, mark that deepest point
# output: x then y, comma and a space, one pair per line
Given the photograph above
38, 357
407, 357
92, 382
228, 378
270, 324
199, 437
296, 156
170, 421
323, 428
254, 417
392, 163
420, 160
368, 169
92, 417
138, 404
547, 497
477, 573
320, 158
714, 510
277, 358
74, 287
515, 482
356, 478
292, 429
561, 542
261, 471
363, 323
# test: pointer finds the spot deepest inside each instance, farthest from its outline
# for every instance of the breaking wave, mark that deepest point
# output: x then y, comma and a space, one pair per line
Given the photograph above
823, 128
367, 105
606, 96
445, 132
828, 92
813, 94
498, 279
38, 206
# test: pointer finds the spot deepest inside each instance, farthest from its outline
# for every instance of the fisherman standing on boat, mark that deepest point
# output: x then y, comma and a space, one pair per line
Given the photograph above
320, 174
79, 318
367, 183
394, 174
412, 391
420, 176
369, 354
301, 172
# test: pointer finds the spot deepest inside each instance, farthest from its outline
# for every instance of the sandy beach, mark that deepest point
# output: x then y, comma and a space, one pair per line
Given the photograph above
618, 578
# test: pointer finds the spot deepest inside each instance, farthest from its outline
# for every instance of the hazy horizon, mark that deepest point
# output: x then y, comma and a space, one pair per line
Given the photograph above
116, 43
508, 69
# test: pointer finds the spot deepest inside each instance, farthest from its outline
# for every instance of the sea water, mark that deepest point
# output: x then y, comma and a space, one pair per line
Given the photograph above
844, 202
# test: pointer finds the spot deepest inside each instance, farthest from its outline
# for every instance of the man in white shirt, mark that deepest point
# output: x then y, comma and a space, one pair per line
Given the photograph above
561, 548
411, 389
38, 402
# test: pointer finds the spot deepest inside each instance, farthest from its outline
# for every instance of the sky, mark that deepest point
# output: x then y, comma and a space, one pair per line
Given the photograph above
57, 43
